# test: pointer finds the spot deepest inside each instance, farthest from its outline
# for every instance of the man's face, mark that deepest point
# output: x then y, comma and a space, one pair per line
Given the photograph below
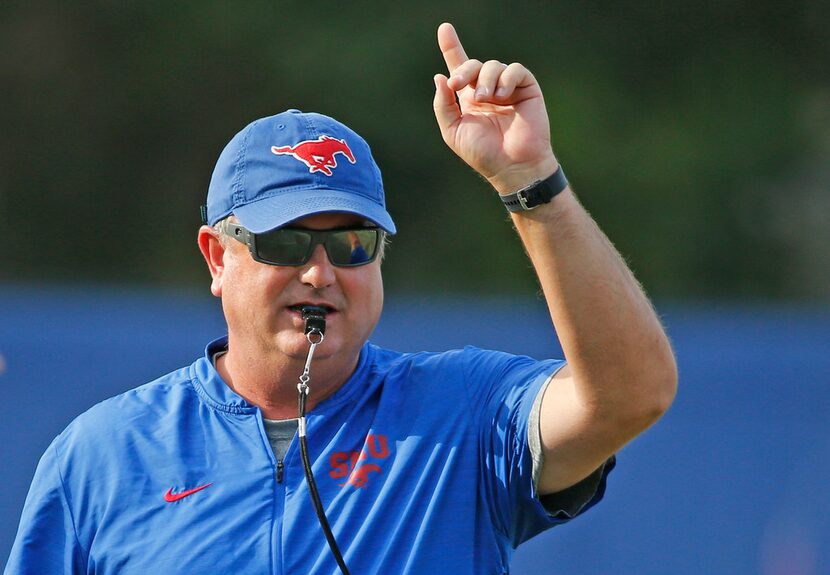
260, 301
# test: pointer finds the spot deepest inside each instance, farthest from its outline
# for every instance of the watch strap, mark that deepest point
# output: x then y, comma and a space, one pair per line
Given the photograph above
538, 193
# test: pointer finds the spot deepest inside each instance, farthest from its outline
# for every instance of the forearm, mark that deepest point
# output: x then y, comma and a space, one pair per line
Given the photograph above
619, 355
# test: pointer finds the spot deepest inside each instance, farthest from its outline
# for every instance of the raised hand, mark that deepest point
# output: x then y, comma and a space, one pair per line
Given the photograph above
498, 123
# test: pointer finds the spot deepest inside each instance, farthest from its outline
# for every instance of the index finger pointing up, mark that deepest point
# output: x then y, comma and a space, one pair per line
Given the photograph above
451, 47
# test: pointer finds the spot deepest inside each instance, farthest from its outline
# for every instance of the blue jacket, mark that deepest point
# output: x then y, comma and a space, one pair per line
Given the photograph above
421, 460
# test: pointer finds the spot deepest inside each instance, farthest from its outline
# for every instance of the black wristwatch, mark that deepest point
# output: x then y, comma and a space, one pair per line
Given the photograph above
538, 193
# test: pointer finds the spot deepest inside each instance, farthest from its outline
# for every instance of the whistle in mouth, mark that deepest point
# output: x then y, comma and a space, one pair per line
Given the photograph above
315, 319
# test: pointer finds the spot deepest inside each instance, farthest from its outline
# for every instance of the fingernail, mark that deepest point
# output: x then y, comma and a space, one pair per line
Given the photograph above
501, 92
481, 93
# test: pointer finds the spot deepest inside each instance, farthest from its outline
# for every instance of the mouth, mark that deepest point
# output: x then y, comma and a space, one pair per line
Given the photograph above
298, 308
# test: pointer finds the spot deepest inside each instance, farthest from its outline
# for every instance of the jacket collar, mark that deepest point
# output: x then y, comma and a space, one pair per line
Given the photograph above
215, 392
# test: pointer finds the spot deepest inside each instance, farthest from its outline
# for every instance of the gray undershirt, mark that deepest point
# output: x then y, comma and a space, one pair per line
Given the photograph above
534, 439
280, 433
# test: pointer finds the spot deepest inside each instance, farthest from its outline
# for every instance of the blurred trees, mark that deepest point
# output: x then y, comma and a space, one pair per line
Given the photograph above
696, 134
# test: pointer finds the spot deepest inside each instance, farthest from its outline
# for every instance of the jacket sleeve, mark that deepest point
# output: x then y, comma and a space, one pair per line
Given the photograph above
502, 388
46, 540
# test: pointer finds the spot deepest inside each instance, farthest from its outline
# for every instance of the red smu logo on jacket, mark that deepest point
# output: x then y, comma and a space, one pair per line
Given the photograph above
353, 465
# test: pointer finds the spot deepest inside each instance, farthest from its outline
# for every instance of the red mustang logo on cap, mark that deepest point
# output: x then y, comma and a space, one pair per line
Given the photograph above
318, 155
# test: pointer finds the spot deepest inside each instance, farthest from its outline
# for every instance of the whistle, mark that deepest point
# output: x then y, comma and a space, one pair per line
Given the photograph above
315, 319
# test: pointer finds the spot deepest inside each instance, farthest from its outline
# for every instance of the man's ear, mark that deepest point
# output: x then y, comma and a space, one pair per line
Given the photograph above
214, 253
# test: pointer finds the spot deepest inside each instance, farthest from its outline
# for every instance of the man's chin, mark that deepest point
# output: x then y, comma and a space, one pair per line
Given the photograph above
296, 346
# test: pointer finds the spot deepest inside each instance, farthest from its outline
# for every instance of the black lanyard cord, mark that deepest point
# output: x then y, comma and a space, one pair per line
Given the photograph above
315, 318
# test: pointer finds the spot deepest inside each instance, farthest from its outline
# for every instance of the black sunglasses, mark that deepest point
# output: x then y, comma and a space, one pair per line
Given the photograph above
345, 247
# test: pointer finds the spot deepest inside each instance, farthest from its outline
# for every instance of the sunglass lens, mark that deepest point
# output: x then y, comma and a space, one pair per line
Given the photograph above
284, 246
352, 247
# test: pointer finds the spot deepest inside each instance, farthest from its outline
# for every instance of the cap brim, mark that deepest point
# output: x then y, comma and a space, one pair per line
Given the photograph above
276, 211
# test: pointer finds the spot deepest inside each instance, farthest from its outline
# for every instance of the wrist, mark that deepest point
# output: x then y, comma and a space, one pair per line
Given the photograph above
519, 176
537, 193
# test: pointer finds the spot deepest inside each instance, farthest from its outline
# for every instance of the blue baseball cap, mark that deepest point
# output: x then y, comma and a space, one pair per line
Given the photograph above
295, 164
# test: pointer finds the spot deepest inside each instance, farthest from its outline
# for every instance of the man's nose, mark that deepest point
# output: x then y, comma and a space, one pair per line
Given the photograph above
318, 272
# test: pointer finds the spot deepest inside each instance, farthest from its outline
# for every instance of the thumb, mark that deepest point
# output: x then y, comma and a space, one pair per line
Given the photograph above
447, 112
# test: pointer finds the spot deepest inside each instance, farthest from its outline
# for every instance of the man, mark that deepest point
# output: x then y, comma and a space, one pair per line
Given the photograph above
425, 463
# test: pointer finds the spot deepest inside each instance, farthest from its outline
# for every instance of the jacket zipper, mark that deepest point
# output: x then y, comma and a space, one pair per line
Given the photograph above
279, 470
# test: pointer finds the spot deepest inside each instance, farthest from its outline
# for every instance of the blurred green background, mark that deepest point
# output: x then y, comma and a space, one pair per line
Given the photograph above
697, 134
